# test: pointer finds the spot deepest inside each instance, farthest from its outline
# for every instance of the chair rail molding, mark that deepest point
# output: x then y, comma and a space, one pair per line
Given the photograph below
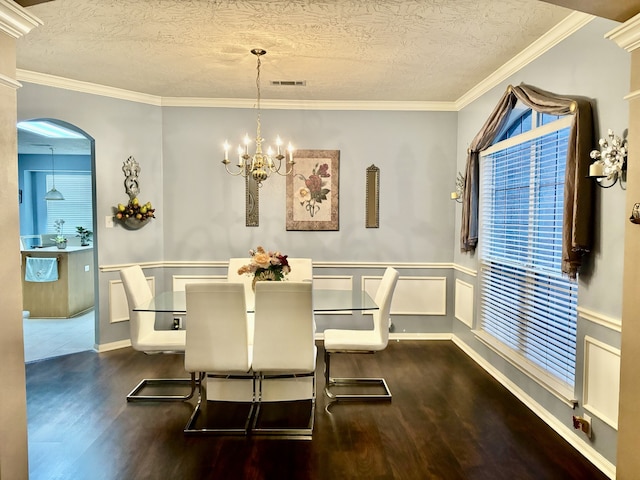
595, 317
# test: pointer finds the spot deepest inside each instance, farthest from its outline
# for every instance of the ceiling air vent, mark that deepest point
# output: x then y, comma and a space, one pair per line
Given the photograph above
289, 83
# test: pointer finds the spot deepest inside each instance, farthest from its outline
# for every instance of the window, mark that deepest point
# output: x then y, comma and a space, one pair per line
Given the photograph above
76, 208
527, 307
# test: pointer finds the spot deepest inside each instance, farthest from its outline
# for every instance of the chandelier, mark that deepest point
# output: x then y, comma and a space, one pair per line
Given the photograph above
260, 165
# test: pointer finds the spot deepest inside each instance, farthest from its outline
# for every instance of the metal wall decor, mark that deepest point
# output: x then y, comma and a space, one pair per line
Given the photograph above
133, 215
252, 202
372, 198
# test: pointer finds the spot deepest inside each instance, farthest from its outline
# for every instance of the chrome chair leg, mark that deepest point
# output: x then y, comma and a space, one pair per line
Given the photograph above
135, 396
331, 382
304, 433
190, 427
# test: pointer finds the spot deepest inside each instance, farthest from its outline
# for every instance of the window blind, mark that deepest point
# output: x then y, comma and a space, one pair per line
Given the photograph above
526, 303
77, 207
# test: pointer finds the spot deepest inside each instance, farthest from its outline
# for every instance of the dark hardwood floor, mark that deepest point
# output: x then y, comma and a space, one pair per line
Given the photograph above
448, 420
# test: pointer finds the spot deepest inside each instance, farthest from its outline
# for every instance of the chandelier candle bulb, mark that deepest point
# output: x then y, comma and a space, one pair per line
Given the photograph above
290, 150
246, 143
226, 150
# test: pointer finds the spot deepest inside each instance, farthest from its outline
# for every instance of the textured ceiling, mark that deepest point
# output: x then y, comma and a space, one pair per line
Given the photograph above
358, 50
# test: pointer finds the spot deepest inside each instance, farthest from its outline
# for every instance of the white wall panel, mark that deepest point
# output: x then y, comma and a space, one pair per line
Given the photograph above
464, 302
179, 281
414, 295
333, 282
118, 306
601, 380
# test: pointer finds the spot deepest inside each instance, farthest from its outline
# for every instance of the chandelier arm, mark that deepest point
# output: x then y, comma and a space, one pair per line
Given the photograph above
241, 171
288, 172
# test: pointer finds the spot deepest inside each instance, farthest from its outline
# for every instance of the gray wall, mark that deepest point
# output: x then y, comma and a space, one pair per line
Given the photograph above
584, 64
204, 207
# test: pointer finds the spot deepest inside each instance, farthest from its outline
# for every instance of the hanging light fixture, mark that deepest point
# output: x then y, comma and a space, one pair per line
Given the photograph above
53, 194
260, 165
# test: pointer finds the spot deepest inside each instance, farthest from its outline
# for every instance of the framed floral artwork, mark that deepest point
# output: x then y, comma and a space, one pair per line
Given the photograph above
313, 191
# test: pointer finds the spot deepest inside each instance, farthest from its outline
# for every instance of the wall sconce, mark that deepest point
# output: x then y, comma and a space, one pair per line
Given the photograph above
457, 195
610, 161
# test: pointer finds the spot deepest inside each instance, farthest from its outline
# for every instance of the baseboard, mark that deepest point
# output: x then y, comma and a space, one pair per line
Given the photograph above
107, 347
564, 431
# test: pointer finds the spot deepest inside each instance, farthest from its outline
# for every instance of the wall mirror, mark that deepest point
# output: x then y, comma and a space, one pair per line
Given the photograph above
372, 201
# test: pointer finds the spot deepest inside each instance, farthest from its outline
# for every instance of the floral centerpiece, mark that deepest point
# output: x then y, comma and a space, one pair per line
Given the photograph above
266, 266
61, 240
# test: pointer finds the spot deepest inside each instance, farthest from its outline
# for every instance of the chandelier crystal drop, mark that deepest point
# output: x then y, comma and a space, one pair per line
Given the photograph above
260, 165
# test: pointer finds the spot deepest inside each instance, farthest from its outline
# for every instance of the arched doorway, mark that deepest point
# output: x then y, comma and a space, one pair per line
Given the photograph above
59, 314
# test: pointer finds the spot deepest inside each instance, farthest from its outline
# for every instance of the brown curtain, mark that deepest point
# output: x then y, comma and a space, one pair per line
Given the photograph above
577, 221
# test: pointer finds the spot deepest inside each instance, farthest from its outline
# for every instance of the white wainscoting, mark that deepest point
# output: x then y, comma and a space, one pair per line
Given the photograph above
118, 306
333, 282
414, 295
601, 380
179, 281
464, 302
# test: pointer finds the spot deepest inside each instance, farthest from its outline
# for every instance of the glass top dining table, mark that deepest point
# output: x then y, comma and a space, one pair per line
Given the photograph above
323, 301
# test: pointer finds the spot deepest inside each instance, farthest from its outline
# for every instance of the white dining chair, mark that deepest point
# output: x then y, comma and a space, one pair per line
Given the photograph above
217, 346
301, 270
362, 341
284, 351
145, 337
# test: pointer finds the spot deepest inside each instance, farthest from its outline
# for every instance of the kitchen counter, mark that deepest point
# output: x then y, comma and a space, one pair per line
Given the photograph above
71, 295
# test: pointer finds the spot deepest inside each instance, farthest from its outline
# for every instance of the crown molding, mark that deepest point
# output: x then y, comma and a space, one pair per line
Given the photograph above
9, 82
86, 87
627, 35
308, 104
571, 24
15, 21
564, 29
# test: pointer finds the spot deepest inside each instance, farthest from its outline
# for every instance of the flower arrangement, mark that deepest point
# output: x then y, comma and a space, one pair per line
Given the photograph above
59, 226
135, 210
266, 266
84, 234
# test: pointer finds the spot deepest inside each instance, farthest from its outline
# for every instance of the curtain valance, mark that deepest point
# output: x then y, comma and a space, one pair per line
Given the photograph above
578, 192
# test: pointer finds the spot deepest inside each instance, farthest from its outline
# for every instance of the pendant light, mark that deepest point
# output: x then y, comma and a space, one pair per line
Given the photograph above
53, 194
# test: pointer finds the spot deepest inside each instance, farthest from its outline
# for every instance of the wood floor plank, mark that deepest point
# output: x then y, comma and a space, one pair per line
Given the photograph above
448, 420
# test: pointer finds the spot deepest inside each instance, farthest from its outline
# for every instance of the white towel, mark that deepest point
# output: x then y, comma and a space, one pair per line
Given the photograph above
41, 269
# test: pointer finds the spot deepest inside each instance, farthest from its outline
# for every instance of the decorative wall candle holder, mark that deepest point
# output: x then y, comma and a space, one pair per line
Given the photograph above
457, 195
610, 161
